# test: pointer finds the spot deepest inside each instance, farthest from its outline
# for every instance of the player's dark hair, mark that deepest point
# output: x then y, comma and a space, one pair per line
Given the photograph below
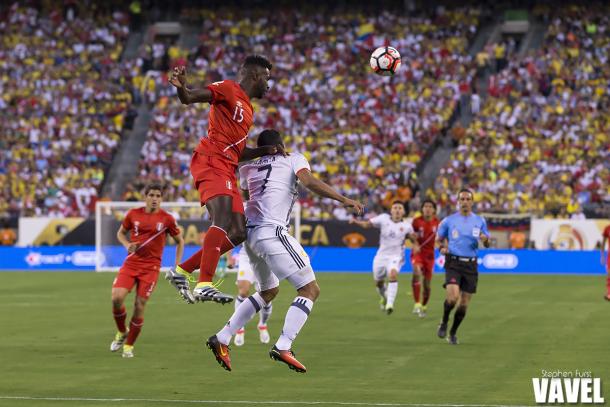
257, 60
468, 191
397, 202
153, 186
430, 201
269, 137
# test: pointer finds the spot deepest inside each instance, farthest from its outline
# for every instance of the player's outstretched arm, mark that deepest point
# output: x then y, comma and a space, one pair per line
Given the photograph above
186, 95
323, 189
252, 153
122, 238
362, 223
179, 247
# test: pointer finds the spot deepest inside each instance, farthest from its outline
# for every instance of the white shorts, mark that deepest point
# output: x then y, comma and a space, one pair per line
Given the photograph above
244, 268
383, 264
275, 256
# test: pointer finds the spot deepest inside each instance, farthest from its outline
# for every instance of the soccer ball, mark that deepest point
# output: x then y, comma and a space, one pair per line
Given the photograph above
385, 61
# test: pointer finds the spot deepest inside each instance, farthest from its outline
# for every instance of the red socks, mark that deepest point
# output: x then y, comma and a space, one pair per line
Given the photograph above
426, 294
194, 262
135, 326
119, 317
416, 286
216, 243
608, 286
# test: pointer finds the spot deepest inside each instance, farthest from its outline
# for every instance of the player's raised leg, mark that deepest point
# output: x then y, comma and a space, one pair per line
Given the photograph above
120, 315
428, 270
392, 290
296, 317
217, 241
416, 287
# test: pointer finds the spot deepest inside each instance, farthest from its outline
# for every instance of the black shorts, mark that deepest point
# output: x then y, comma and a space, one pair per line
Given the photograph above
464, 274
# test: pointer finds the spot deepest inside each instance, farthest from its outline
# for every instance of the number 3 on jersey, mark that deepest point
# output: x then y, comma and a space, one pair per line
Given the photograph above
239, 111
268, 169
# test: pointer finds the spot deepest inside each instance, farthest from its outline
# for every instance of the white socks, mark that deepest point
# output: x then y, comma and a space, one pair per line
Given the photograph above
244, 313
381, 290
265, 314
295, 319
391, 293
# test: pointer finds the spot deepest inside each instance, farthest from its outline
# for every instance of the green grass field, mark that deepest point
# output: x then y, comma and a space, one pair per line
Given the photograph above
56, 329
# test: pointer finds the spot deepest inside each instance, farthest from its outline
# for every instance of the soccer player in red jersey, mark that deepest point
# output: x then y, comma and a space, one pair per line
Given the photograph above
213, 169
606, 259
422, 255
148, 227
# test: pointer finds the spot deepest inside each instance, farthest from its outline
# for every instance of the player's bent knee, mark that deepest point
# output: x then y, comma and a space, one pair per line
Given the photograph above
270, 294
237, 236
310, 290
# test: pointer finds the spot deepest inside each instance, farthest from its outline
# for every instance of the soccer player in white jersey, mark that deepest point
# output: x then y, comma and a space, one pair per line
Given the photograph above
275, 255
245, 280
391, 254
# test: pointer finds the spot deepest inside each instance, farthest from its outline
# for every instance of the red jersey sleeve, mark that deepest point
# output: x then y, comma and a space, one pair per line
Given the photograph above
221, 91
606, 233
128, 221
172, 226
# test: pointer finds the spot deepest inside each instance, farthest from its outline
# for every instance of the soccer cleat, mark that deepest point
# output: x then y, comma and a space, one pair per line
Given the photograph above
180, 280
127, 351
389, 308
119, 339
263, 334
382, 302
239, 338
417, 308
220, 351
442, 330
452, 339
207, 291
288, 357
607, 297
422, 311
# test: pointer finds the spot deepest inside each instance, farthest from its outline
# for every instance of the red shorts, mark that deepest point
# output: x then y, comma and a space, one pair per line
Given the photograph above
214, 176
144, 277
425, 263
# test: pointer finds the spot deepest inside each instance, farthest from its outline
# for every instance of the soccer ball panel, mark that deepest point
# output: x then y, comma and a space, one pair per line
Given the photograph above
385, 61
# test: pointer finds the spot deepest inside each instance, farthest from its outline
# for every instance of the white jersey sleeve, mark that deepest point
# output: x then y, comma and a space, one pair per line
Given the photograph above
379, 220
272, 185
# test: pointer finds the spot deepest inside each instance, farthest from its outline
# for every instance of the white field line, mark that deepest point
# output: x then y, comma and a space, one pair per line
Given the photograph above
301, 403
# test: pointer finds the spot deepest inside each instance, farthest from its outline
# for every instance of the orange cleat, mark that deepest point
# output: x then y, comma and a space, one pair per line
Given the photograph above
287, 356
220, 351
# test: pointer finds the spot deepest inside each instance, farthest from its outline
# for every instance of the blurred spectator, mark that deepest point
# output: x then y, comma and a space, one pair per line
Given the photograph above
517, 240
8, 237
63, 102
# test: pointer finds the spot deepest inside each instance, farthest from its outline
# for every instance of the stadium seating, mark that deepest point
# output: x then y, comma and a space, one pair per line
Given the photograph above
363, 133
63, 103
540, 142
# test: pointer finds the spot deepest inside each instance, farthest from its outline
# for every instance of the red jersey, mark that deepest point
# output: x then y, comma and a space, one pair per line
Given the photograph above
426, 234
149, 230
231, 116
606, 234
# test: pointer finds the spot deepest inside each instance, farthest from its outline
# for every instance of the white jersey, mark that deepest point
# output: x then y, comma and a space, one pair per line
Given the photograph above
392, 236
272, 184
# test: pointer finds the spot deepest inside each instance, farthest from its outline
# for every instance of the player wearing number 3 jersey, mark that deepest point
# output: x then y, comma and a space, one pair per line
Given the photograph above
213, 169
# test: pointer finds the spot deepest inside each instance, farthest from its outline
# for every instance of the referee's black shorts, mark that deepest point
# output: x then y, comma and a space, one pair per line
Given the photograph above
462, 271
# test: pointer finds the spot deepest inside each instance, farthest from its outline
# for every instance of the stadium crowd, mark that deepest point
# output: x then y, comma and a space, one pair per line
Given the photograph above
64, 100
540, 141
362, 132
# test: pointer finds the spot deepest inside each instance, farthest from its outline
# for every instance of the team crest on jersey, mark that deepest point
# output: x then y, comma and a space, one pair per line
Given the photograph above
229, 185
159, 226
455, 234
